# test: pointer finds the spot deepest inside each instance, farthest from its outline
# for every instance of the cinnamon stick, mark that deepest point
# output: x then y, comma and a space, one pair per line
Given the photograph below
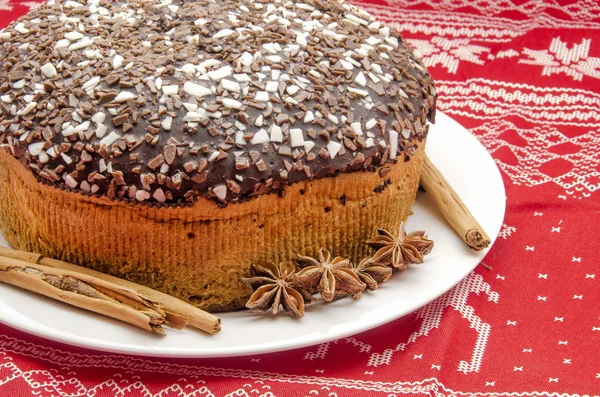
99, 292
452, 207
174, 307
63, 287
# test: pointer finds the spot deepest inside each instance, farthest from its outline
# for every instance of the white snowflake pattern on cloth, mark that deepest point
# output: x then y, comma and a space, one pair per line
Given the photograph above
31, 4
559, 58
432, 316
5, 5
56, 384
448, 53
319, 354
510, 53
506, 231
579, 10
258, 389
190, 384
485, 99
582, 178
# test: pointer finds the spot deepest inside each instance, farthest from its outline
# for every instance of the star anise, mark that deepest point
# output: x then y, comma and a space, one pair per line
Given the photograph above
332, 278
371, 273
274, 287
401, 250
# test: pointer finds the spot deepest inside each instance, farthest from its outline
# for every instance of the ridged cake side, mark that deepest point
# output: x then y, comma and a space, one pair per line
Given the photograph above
200, 253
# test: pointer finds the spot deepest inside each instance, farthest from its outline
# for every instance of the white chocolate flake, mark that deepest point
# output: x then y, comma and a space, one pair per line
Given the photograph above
357, 128
220, 73
70, 181
271, 86
260, 137
124, 96
361, 79
81, 44
223, 33
101, 130
246, 59
262, 96
393, 143
117, 61
242, 78
231, 103
142, 195
308, 145
309, 117
167, 123
102, 166
66, 158
296, 137
276, 134
110, 139
346, 65
333, 148
159, 195
82, 127
85, 186
49, 70
36, 148
220, 191
231, 86
98, 118
28, 108
17, 85
357, 91
333, 35
196, 90
190, 107
91, 83
73, 36
170, 90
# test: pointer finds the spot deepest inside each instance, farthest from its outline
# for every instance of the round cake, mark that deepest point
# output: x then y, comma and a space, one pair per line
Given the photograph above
176, 144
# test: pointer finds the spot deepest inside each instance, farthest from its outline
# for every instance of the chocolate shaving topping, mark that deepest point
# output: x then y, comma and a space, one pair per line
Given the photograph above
206, 93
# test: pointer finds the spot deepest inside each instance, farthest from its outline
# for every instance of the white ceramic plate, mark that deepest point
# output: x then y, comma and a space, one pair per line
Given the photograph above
466, 165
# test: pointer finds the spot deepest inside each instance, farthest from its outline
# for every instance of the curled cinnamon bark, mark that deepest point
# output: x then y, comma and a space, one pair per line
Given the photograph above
452, 207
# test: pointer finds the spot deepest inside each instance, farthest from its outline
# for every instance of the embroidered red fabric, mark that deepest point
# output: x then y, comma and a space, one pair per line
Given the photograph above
524, 78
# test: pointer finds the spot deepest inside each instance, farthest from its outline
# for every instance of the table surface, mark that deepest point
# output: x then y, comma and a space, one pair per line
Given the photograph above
524, 78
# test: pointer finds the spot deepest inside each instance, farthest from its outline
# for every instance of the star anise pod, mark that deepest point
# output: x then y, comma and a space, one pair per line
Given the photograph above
401, 250
371, 273
332, 278
274, 287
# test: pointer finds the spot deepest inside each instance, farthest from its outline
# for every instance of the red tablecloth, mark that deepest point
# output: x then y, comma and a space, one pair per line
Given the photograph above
524, 77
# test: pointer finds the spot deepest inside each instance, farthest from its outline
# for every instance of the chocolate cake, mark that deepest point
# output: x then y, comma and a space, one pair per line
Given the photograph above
177, 143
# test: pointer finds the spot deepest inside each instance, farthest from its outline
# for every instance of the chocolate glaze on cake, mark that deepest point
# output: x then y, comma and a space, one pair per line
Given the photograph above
163, 101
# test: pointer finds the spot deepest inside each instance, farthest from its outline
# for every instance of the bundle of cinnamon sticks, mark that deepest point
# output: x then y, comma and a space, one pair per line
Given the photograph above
100, 293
